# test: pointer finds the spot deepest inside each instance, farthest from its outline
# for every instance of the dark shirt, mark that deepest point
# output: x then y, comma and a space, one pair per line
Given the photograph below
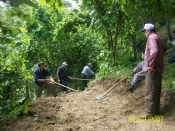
40, 75
61, 72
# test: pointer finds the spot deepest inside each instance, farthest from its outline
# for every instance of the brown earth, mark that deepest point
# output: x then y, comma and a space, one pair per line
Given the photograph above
81, 112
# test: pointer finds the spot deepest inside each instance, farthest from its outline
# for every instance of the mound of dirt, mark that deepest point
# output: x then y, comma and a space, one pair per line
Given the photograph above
81, 112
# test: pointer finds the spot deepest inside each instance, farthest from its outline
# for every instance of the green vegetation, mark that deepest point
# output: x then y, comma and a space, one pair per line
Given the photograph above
105, 33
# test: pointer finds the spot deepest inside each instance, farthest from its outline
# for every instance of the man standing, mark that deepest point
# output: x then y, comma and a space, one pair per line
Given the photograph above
154, 53
40, 79
138, 73
62, 75
172, 58
86, 71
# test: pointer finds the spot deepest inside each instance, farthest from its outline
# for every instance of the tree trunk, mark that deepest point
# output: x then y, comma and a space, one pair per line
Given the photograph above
133, 39
27, 96
168, 27
11, 97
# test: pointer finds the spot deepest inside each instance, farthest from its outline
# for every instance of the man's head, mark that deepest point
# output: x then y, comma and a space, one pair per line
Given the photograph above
89, 65
173, 34
143, 54
41, 66
148, 29
64, 64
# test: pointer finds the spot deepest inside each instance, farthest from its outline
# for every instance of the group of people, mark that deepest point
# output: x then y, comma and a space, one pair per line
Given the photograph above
43, 80
138, 71
151, 68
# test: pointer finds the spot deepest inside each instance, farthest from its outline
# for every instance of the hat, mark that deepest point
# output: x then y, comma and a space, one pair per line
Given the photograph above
147, 26
64, 63
89, 64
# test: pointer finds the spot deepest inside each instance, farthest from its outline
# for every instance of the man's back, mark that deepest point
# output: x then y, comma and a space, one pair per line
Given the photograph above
61, 72
87, 70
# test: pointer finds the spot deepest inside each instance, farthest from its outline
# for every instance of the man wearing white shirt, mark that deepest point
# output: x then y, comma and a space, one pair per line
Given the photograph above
172, 58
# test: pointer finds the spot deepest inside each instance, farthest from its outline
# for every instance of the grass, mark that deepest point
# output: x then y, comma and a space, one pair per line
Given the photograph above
168, 81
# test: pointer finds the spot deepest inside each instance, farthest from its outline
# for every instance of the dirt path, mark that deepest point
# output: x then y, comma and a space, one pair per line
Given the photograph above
81, 112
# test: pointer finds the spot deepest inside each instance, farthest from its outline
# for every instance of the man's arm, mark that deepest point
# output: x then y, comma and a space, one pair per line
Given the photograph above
140, 72
153, 52
69, 77
58, 71
135, 69
169, 42
51, 79
43, 80
90, 72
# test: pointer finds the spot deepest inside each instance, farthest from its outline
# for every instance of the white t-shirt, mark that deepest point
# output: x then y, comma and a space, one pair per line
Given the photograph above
173, 42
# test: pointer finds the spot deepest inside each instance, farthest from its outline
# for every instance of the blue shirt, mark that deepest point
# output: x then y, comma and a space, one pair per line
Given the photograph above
87, 71
141, 66
40, 75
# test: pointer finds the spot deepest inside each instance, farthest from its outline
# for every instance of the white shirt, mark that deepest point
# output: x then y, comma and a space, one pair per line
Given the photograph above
173, 42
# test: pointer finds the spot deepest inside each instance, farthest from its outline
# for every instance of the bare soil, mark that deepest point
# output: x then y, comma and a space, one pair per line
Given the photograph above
81, 112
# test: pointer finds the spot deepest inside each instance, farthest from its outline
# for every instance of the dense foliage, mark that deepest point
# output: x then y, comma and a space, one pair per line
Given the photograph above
105, 33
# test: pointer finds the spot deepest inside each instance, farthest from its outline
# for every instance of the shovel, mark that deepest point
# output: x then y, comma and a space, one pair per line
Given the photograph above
65, 86
80, 79
102, 96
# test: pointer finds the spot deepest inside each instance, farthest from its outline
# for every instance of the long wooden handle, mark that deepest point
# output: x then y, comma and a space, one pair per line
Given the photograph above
65, 86
80, 79
115, 85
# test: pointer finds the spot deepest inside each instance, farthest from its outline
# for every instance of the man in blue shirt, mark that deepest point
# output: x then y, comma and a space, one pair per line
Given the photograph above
42, 82
86, 71
138, 73
62, 75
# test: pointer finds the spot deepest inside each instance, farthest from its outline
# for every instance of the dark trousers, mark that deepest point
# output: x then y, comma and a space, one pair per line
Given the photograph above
171, 59
83, 76
63, 82
48, 86
152, 92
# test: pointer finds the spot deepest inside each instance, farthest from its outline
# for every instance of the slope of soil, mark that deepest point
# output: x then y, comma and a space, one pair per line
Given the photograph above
81, 112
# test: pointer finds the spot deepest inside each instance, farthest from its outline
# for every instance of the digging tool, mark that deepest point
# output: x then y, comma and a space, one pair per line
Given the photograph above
80, 79
65, 86
102, 96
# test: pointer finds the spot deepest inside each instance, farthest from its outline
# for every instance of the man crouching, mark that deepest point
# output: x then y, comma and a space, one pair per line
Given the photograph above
40, 79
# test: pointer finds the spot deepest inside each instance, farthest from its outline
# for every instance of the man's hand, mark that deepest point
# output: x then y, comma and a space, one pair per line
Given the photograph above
47, 80
70, 77
52, 80
169, 42
152, 69
59, 80
135, 74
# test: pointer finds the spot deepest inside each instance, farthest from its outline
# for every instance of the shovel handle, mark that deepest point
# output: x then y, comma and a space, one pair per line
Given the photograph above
115, 85
65, 86
80, 79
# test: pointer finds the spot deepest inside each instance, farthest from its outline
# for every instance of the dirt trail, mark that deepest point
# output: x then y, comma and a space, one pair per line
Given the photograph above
81, 112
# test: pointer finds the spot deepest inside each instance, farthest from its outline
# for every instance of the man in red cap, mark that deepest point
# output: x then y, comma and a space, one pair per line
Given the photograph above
154, 53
